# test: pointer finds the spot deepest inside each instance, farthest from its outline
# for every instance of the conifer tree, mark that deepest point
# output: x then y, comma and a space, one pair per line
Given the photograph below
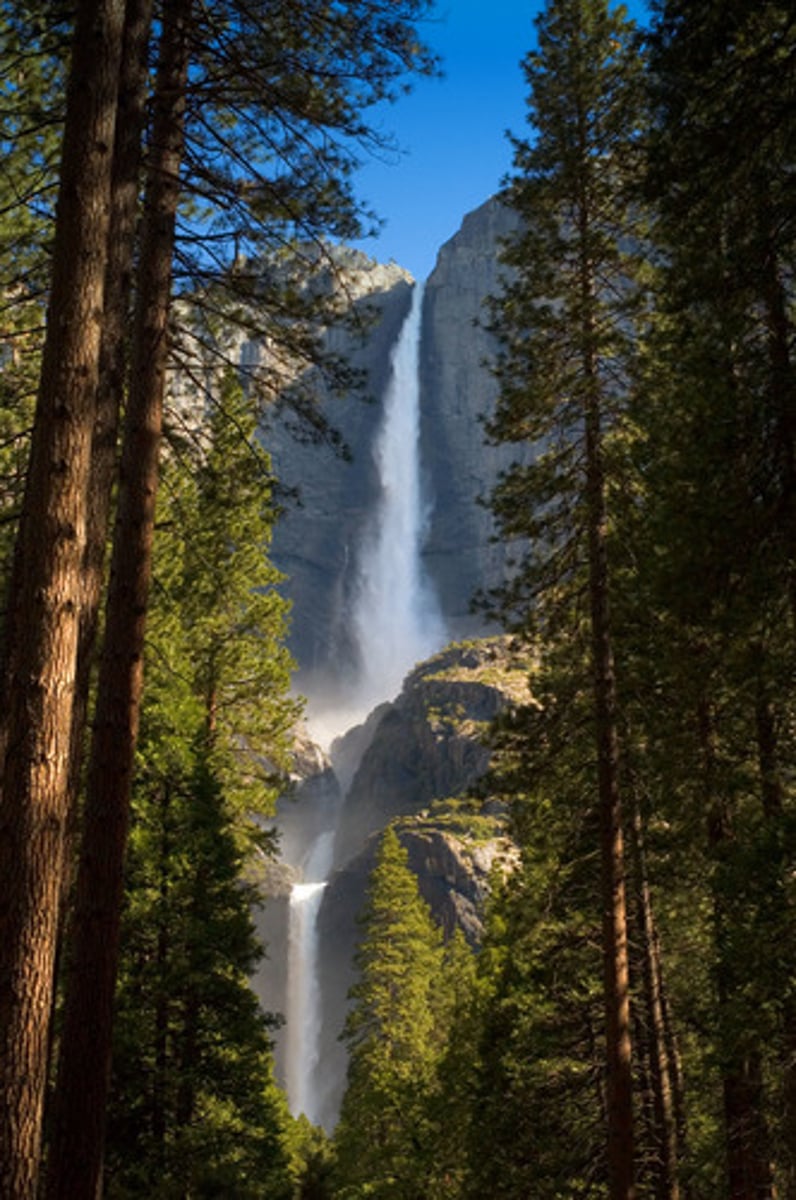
317, 68
193, 1097
394, 1036
719, 464
563, 322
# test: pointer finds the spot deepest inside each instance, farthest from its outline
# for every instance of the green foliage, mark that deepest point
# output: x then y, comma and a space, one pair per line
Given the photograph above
386, 1142
562, 318
312, 1153
217, 630
195, 1105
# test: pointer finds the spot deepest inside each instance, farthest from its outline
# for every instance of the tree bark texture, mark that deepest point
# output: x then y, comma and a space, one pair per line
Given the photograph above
114, 341
40, 637
75, 1167
131, 116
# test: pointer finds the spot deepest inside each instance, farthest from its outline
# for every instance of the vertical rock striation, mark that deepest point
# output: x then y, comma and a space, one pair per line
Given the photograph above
457, 390
318, 541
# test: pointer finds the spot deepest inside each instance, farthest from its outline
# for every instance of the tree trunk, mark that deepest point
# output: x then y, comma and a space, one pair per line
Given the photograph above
41, 628
746, 1135
125, 184
84, 1067
665, 1123
674, 1060
113, 357
614, 924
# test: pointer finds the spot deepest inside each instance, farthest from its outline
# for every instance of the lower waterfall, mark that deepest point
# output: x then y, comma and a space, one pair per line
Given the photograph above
303, 993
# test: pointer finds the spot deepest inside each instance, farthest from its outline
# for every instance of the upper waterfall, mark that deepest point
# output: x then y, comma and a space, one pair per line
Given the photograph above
396, 619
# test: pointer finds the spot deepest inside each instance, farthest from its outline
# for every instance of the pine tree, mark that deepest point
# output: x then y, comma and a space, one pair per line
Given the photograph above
345, 72
31, 101
193, 1101
719, 455
393, 1032
563, 321
194, 1107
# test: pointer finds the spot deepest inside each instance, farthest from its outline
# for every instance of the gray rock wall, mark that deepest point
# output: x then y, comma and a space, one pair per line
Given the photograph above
328, 498
317, 541
457, 390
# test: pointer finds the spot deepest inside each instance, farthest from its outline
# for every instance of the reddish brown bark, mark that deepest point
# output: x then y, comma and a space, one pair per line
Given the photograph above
40, 636
125, 186
84, 1067
133, 80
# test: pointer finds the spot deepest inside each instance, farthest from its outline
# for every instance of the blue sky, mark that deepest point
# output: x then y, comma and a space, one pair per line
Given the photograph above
452, 130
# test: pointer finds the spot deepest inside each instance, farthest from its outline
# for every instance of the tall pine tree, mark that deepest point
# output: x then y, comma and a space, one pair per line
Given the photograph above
394, 1035
563, 322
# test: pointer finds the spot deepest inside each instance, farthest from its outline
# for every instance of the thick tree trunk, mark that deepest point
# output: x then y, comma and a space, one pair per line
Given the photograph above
84, 1067
125, 186
133, 81
41, 629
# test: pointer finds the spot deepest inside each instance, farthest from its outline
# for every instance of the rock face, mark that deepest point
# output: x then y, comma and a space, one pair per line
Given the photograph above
318, 540
427, 744
424, 751
414, 756
458, 390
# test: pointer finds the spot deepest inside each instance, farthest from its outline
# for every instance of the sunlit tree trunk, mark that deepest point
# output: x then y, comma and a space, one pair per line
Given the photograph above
45, 593
84, 1066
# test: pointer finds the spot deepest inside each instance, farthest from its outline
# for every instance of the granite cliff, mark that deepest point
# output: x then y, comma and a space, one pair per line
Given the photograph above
317, 541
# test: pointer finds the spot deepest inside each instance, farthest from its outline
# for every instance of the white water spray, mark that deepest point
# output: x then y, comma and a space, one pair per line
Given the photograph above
396, 618
303, 990
303, 1018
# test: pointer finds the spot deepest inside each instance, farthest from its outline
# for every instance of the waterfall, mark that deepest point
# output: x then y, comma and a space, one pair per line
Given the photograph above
396, 618
303, 990
396, 622
303, 1025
